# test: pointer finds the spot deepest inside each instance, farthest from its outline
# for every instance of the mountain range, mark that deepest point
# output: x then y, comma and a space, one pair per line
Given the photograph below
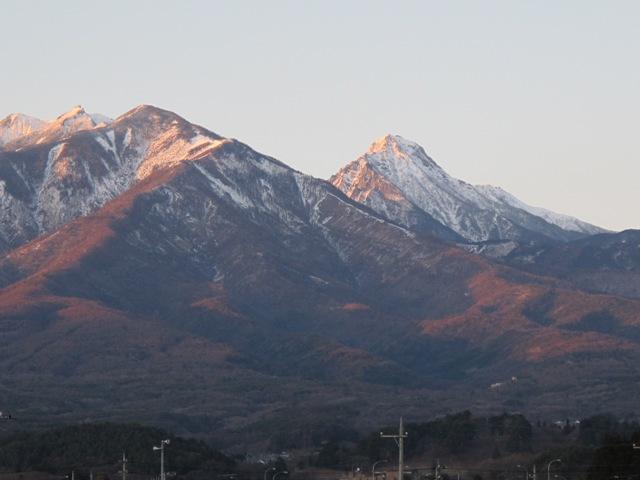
155, 270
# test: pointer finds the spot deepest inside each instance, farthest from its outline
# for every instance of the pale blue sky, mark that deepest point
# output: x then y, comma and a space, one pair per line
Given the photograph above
539, 97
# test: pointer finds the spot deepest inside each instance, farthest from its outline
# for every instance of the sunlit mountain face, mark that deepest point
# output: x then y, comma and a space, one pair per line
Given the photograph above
157, 271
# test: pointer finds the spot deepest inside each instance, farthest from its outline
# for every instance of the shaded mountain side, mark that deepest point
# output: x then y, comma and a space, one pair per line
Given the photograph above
606, 263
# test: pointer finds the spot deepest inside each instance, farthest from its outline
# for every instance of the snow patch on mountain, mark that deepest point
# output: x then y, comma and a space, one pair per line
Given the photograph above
565, 222
171, 148
224, 190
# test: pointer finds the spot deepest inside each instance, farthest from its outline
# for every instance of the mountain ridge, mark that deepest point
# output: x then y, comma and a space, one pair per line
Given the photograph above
33, 130
222, 282
477, 213
48, 183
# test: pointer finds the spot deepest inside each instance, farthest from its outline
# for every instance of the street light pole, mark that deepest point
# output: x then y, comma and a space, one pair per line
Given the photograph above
267, 471
557, 460
399, 439
283, 472
161, 448
373, 469
124, 466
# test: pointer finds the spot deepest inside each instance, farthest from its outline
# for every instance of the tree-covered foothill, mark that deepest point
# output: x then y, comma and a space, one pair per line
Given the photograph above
514, 431
90, 446
616, 459
599, 447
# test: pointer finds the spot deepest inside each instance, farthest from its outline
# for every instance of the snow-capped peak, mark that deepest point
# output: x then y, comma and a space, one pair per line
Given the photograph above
74, 112
17, 125
403, 174
18, 130
396, 149
77, 118
392, 142
397, 146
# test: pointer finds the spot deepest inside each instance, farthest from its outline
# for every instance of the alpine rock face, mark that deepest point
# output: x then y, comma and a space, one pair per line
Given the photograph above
78, 162
397, 179
156, 270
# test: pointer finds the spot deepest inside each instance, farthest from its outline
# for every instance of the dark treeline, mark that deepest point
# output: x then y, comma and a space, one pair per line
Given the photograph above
597, 448
452, 434
92, 446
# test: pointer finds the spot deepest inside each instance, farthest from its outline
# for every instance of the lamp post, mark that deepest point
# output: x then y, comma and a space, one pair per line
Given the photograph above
373, 468
267, 471
283, 472
161, 448
557, 460
124, 467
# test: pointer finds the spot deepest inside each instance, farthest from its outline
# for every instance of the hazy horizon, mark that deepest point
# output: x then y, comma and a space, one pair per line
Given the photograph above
539, 99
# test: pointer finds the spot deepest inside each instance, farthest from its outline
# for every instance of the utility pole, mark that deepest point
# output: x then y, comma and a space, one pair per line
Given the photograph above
399, 439
161, 448
124, 466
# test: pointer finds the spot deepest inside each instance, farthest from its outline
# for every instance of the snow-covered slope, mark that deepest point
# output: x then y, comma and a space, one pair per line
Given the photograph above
18, 125
396, 178
566, 222
19, 131
75, 120
74, 166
